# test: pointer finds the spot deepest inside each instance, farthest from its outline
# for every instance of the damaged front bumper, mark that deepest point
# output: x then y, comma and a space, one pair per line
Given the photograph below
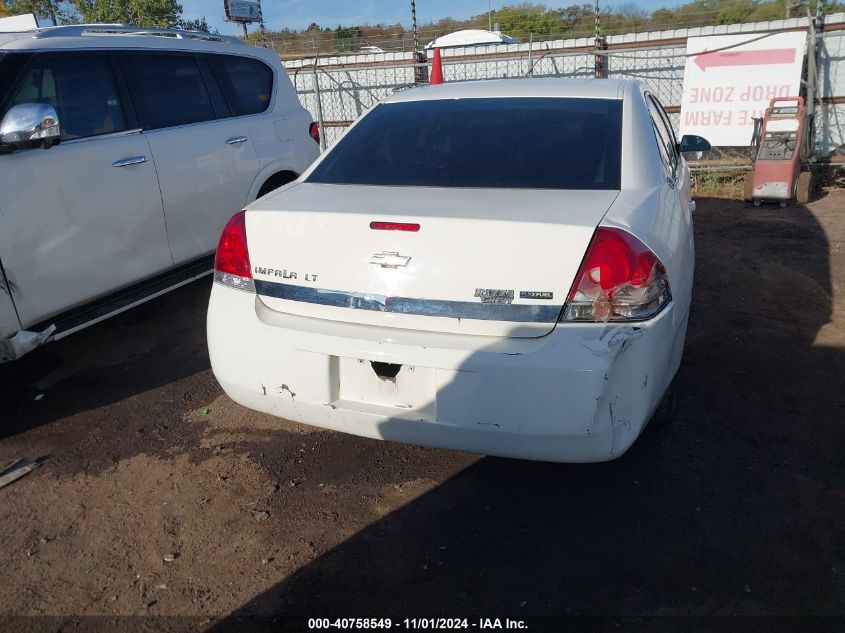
582, 393
22, 343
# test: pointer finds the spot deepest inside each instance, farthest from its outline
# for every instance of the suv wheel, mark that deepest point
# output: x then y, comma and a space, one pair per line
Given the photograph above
275, 181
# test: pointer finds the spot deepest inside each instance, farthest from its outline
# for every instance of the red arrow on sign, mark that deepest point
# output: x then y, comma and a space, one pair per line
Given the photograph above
745, 58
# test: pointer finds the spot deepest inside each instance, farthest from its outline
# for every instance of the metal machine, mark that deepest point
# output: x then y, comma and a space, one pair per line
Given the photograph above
779, 141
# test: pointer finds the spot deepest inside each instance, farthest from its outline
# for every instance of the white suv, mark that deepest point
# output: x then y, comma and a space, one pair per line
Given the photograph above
122, 154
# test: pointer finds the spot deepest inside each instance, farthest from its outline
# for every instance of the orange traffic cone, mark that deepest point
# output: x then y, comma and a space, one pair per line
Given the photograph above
436, 69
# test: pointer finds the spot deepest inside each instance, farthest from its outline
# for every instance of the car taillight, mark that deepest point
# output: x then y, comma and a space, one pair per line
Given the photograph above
314, 131
231, 262
620, 279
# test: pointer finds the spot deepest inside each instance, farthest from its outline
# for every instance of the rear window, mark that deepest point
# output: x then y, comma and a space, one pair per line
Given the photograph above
525, 143
248, 82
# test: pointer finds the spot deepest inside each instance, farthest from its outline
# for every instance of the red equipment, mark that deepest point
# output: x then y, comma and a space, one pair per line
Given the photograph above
777, 171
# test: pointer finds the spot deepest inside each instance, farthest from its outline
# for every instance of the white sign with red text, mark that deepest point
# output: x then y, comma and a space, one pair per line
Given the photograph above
725, 89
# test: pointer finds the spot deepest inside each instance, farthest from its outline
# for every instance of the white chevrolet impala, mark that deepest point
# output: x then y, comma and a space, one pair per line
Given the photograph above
502, 267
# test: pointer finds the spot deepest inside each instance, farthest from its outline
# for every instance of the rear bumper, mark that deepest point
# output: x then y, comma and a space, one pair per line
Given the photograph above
580, 394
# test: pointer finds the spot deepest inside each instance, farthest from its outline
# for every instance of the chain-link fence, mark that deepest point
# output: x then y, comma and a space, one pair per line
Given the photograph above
338, 96
337, 90
344, 92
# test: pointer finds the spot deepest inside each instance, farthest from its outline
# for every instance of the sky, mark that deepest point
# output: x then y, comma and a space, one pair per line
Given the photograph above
297, 14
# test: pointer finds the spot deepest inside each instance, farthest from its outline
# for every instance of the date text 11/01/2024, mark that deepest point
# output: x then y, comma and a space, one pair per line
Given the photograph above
417, 623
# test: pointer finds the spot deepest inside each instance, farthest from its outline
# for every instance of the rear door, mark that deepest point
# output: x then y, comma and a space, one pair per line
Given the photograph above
678, 190
205, 158
83, 218
677, 166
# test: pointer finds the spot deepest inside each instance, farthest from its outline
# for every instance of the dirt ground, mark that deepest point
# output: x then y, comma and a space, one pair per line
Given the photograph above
159, 496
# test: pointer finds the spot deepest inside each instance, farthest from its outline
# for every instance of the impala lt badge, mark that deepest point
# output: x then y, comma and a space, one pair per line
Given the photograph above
283, 273
390, 259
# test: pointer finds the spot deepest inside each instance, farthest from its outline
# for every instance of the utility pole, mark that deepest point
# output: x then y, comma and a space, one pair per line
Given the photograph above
414, 27
599, 64
489, 17
420, 68
261, 24
598, 26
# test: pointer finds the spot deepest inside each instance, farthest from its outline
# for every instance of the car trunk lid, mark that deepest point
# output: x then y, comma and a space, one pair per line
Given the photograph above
496, 262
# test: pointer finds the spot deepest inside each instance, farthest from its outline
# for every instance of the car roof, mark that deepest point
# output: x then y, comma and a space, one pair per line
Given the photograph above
117, 36
546, 87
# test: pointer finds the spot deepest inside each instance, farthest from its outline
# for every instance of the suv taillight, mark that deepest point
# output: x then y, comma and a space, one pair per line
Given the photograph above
620, 279
231, 262
314, 131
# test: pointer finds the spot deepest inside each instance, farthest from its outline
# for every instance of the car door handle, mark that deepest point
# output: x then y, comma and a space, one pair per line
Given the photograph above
236, 139
135, 160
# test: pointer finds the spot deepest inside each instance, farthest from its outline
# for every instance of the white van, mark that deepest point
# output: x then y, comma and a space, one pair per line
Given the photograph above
123, 152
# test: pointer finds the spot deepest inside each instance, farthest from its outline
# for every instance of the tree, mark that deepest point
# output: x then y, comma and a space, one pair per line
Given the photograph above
200, 24
735, 11
347, 32
662, 18
522, 19
4, 11
154, 13
53, 10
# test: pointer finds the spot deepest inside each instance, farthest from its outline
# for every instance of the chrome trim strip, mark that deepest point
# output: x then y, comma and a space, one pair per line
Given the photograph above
406, 305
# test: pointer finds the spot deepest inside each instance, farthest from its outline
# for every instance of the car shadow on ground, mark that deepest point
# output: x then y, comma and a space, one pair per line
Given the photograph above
149, 346
732, 510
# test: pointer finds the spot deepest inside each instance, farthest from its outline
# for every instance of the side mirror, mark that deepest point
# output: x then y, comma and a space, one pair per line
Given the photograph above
693, 143
29, 125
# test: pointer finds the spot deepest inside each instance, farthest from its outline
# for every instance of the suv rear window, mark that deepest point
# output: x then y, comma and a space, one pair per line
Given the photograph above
248, 82
520, 142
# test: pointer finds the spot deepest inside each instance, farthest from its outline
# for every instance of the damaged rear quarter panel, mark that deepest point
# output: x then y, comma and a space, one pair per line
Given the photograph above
643, 359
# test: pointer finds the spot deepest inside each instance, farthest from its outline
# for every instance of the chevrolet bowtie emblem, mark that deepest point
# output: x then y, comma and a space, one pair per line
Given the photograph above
390, 259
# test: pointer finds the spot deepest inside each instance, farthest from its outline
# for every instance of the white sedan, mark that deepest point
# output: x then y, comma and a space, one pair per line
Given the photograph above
502, 267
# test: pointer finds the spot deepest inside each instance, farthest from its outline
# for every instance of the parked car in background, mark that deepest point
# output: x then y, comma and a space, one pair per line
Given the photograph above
509, 272
123, 152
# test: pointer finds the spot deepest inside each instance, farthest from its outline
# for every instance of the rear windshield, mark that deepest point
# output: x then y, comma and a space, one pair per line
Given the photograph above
523, 143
